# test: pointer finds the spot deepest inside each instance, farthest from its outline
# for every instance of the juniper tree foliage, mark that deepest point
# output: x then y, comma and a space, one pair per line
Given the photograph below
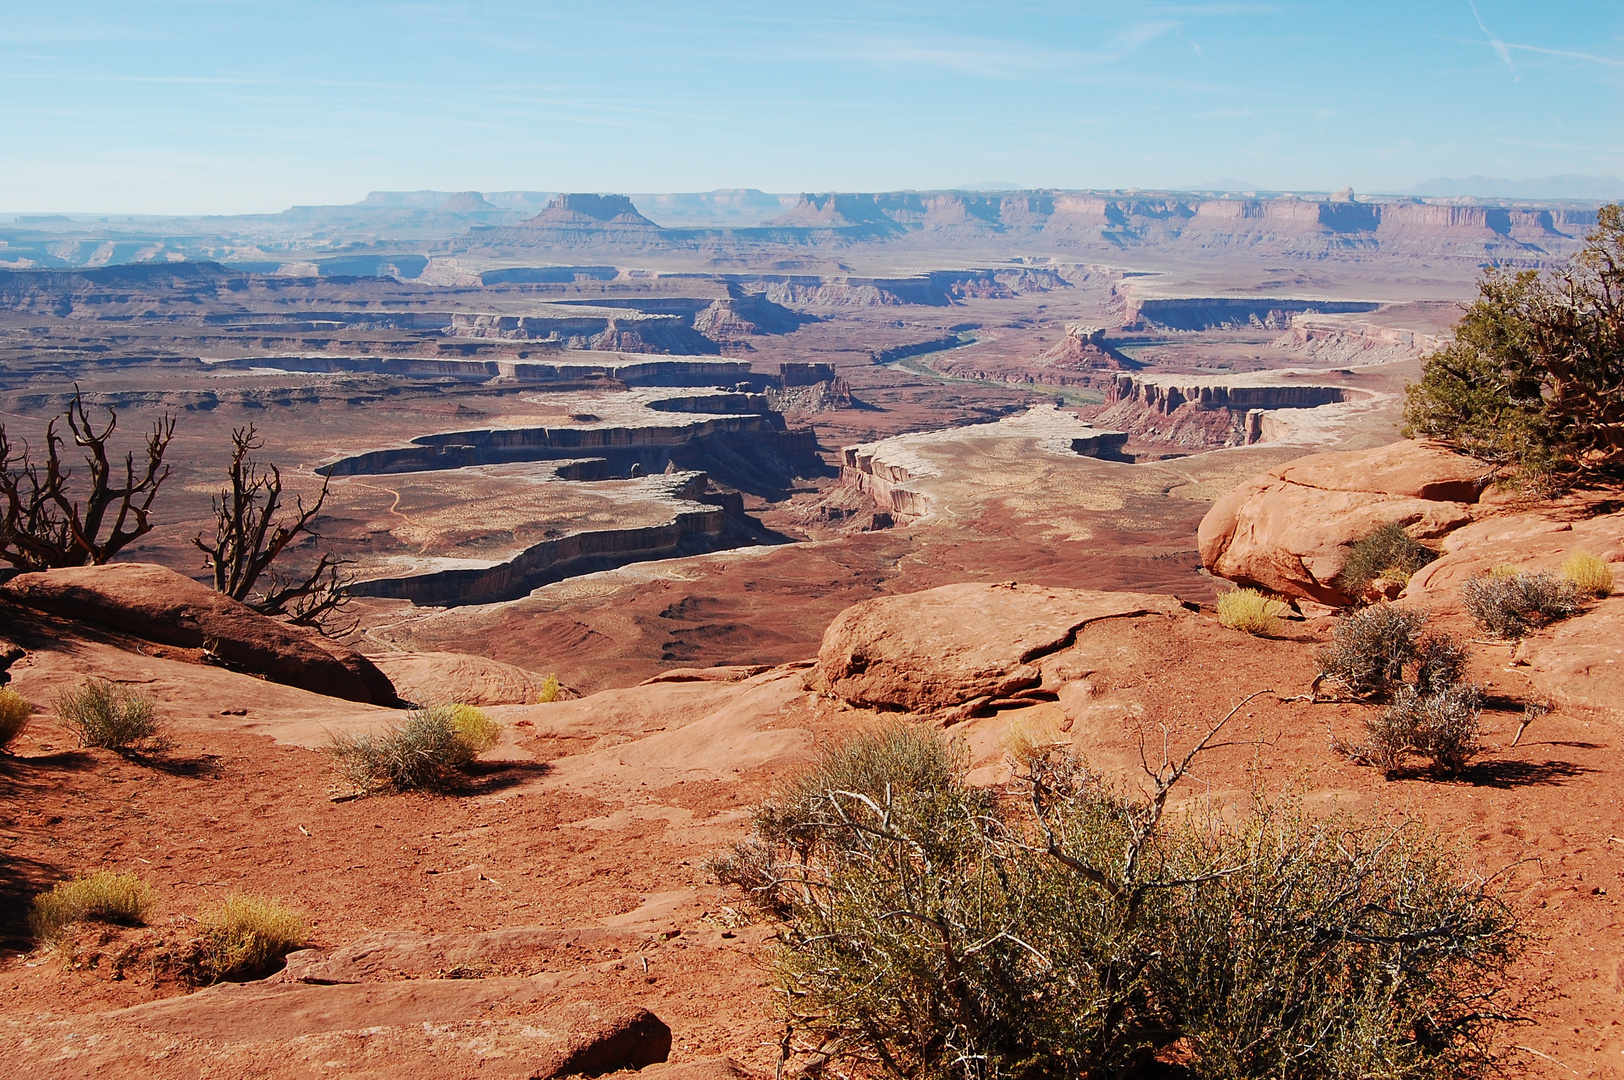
1534, 376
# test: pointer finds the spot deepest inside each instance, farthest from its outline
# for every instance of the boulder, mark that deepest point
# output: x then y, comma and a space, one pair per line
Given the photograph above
434, 678
495, 1027
158, 605
955, 644
1289, 530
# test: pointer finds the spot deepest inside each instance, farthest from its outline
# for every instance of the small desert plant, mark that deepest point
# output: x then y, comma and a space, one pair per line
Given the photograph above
245, 936
1588, 574
105, 714
1441, 725
1389, 553
475, 727
1510, 605
15, 712
102, 896
549, 690
425, 752
1250, 611
1380, 647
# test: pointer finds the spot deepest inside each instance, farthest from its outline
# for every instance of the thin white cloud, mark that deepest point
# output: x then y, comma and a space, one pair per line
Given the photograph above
1495, 43
1571, 55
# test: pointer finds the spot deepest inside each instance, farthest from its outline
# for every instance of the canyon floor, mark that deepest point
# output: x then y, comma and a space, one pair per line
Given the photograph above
571, 874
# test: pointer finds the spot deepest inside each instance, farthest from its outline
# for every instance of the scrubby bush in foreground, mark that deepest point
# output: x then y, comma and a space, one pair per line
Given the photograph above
932, 930
425, 752
1250, 611
1588, 574
1510, 605
15, 712
102, 896
1384, 646
107, 715
246, 936
1389, 553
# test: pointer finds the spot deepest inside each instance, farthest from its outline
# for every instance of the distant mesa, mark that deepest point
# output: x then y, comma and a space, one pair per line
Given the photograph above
467, 202
585, 210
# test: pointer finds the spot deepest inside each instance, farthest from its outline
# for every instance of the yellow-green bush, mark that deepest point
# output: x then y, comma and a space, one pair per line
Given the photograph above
477, 729
102, 896
549, 690
1250, 611
14, 714
1589, 574
246, 936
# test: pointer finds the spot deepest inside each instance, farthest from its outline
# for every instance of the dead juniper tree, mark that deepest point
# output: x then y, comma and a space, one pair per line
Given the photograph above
251, 532
51, 519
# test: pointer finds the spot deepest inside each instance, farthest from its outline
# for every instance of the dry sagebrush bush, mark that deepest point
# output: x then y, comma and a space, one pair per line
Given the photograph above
15, 712
1249, 611
1588, 574
104, 714
935, 932
1441, 726
1509, 606
1376, 649
247, 936
102, 896
1389, 553
425, 752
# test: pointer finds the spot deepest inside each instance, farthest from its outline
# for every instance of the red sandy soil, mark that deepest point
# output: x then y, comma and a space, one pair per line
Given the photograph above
225, 811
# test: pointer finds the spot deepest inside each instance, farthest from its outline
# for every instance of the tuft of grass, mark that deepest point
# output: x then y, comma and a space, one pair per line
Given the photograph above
1588, 574
247, 936
1510, 605
15, 712
475, 727
425, 752
1249, 611
102, 896
104, 714
549, 690
1389, 553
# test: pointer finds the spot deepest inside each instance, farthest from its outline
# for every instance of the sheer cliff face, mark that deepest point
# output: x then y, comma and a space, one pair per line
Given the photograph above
1286, 225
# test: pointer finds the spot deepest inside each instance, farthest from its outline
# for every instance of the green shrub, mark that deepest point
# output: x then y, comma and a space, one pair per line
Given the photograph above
102, 896
1588, 574
932, 931
247, 936
425, 752
104, 714
1389, 553
1441, 726
15, 712
1510, 605
475, 727
1530, 379
1249, 611
1376, 649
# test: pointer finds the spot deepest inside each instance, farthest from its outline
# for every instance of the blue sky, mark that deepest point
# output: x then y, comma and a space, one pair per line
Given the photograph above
241, 105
